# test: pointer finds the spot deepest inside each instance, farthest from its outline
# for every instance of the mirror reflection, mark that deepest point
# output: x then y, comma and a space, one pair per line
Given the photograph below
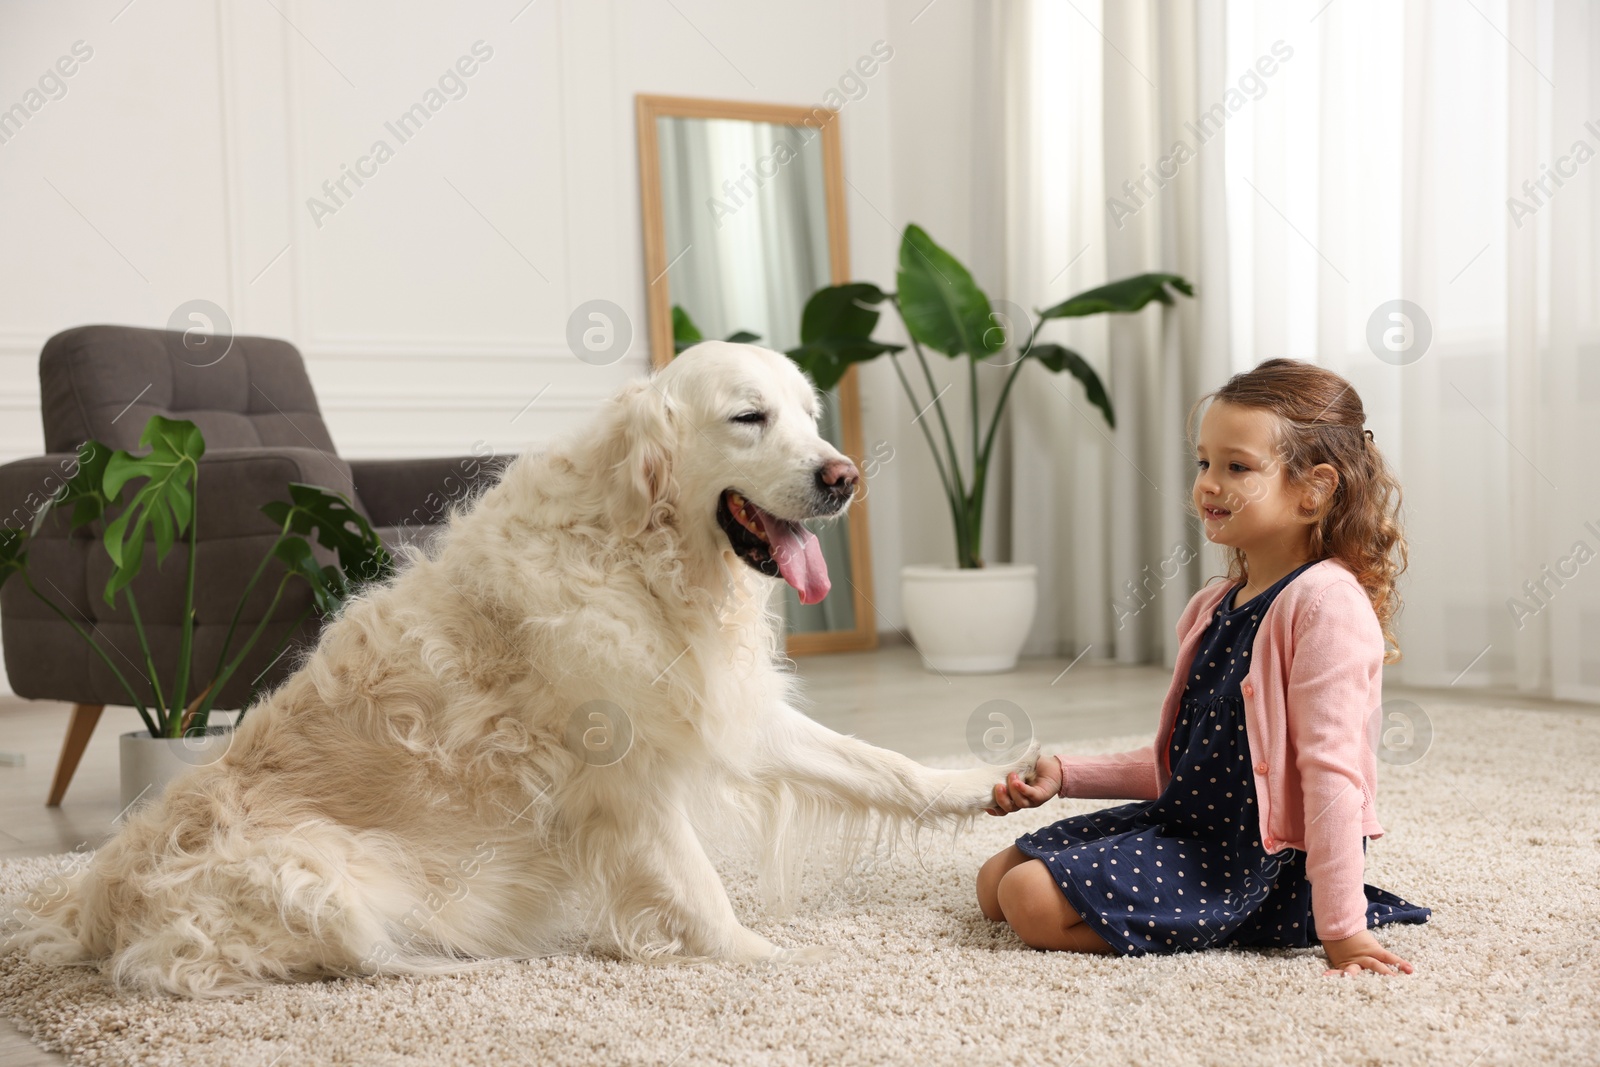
745, 229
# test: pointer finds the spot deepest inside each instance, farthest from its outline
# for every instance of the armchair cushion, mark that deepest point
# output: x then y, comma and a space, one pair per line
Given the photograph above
104, 383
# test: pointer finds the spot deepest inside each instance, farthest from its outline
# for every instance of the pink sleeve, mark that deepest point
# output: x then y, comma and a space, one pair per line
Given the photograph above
1338, 647
1120, 776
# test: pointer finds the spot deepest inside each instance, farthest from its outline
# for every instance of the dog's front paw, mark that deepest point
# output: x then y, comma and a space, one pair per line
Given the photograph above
1022, 764
975, 792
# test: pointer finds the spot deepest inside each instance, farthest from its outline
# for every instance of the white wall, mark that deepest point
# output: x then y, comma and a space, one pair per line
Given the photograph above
432, 304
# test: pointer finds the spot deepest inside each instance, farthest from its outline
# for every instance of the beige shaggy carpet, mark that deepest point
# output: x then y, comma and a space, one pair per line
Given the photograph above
1495, 828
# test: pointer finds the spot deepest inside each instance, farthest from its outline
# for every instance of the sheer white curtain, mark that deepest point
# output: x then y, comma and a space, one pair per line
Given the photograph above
1392, 168
1359, 152
1096, 99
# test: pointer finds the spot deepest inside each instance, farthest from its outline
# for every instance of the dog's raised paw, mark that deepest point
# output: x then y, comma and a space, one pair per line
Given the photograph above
979, 783
1024, 763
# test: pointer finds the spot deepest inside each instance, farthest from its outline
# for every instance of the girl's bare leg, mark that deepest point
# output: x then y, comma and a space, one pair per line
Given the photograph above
1029, 900
989, 876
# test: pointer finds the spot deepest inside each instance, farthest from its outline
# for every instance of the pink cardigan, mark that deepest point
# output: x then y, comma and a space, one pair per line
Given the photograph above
1311, 697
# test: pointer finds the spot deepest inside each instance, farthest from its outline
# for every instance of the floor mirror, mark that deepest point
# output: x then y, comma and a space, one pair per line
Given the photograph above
743, 213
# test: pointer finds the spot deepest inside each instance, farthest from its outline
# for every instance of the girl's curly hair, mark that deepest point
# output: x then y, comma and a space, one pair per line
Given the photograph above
1320, 420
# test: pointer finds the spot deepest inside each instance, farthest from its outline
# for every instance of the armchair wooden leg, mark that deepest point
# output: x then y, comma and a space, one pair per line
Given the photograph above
79, 729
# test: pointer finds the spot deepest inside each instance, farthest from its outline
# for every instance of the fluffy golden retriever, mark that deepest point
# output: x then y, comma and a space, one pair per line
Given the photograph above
504, 743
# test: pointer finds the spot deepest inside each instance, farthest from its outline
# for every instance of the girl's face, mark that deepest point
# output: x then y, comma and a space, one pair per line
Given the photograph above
1240, 487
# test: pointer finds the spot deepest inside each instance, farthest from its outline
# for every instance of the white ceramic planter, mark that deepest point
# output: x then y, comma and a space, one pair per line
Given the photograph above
149, 763
969, 621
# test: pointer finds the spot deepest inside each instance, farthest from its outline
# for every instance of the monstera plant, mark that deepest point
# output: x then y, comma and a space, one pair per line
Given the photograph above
135, 500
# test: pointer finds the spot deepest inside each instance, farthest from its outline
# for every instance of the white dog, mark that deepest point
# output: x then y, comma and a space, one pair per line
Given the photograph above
504, 742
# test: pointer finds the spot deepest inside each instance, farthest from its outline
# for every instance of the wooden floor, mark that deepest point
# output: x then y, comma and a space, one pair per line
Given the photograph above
884, 697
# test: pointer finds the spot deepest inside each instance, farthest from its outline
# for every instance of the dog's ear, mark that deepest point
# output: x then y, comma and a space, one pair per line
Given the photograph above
644, 436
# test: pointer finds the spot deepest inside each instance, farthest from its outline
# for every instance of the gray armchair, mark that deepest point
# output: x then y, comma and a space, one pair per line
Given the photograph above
263, 430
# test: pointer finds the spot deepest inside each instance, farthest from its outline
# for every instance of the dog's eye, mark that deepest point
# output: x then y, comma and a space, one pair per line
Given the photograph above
751, 418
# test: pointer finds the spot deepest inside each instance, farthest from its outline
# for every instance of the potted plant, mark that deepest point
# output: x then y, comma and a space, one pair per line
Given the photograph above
154, 497
975, 616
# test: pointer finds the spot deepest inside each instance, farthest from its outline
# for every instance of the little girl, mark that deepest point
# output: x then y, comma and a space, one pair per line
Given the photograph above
1256, 798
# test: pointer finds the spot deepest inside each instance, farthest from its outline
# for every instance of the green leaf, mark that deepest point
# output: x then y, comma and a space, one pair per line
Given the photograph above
164, 504
13, 552
826, 362
1059, 358
328, 586
125, 545
338, 526
1129, 294
841, 311
161, 525
85, 490
742, 337
942, 306
836, 331
684, 331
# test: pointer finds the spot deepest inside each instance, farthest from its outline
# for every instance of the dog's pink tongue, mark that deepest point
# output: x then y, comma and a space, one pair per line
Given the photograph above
799, 558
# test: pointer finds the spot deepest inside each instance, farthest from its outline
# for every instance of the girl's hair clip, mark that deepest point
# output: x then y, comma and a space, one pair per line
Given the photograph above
1369, 436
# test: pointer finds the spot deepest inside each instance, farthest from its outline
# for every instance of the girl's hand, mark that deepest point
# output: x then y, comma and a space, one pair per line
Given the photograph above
1352, 955
1014, 794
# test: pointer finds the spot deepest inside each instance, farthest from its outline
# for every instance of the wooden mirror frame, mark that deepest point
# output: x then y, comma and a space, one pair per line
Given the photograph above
648, 109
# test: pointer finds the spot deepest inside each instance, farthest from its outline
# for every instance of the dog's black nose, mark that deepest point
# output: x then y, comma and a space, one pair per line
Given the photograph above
837, 478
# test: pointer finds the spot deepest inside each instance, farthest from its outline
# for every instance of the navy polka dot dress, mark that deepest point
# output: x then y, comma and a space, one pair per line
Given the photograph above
1186, 871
